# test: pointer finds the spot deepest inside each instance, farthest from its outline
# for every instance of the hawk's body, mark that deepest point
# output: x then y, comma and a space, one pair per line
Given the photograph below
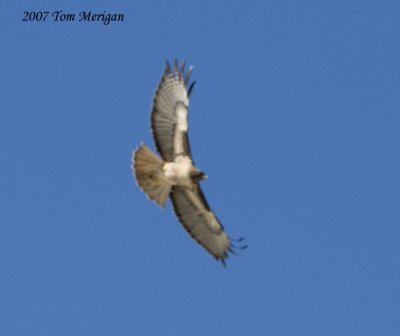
175, 175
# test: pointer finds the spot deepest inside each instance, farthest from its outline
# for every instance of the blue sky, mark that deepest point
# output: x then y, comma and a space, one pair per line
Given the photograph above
295, 119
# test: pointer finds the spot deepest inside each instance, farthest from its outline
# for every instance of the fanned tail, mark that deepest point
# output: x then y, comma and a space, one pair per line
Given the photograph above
148, 170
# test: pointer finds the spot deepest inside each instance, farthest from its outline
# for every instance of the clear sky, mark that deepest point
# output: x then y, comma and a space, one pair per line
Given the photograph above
295, 118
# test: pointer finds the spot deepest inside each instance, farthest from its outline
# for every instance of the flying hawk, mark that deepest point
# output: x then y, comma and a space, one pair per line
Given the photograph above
175, 175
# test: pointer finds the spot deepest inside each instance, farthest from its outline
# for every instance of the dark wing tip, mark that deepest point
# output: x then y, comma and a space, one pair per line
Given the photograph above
180, 73
187, 76
167, 68
223, 261
191, 88
232, 249
176, 71
237, 240
242, 247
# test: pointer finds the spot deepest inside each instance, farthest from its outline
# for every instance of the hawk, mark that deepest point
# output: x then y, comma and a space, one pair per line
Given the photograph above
174, 175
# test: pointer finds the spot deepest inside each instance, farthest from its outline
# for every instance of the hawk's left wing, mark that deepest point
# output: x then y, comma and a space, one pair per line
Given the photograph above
169, 115
191, 208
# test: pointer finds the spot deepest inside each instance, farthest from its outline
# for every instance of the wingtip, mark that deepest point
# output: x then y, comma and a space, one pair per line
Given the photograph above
223, 262
243, 247
191, 88
188, 74
179, 72
176, 71
182, 71
222, 259
167, 67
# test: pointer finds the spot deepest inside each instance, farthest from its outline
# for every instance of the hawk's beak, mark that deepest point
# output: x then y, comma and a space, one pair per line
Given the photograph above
199, 175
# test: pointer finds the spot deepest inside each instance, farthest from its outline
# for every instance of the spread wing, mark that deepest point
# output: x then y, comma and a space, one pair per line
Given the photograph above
193, 212
169, 115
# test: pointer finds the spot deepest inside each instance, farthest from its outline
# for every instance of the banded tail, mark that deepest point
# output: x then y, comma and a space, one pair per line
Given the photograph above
148, 170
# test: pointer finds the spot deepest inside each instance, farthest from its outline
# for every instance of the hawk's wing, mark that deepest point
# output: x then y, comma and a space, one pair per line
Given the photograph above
169, 115
191, 208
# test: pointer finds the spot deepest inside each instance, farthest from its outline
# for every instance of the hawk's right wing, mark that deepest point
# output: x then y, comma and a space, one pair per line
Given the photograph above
193, 212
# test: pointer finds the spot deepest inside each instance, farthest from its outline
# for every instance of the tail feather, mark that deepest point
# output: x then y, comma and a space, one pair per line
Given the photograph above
148, 170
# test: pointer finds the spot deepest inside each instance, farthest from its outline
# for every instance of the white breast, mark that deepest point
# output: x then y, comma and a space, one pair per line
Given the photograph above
178, 172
